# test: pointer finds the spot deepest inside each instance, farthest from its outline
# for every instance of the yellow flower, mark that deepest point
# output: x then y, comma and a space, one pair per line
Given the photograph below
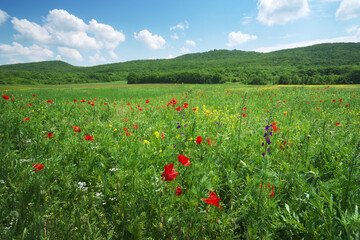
115, 130
157, 134
146, 142
110, 125
160, 151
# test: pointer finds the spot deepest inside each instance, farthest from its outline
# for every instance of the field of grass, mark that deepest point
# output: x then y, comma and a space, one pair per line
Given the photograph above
112, 161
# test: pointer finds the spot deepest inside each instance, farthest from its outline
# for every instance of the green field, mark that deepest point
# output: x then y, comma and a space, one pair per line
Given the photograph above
283, 162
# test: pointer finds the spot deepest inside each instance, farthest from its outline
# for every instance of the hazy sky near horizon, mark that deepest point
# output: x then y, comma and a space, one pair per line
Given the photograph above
86, 33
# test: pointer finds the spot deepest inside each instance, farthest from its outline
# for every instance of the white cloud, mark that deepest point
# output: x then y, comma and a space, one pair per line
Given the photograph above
174, 36
152, 41
348, 9
181, 26
3, 16
185, 50
34, 53
352, 38
113, 55
30, 31
70, 54
106, 35
66, 30
190, 43
246, 20
237, 38
281, 11
97, 59
170, 56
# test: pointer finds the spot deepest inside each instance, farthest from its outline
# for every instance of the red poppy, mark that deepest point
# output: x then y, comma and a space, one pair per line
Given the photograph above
186, 105
275, 128
244, 115
334, 100
179, 109
83, 100
127, 134
26, 119
346, 105
49, 101
75, 100
169, 173
92, 104
105, 103
272, 192
178, 191
147, 101
34, 95
37, 167
198, 139
50, 135
125, 129
245, 108
210, 141
183, 160
29, 104
88, 137
76, 129
140, 109
162, 135
135, 126
340, 100
194, 109
337, 124
212, 200
6, 97
128, 104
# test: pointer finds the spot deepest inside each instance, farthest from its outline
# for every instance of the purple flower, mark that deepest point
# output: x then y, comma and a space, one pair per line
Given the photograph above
174, 146
262, 144
179, 126
267, 128
265, 134
270, 133
185, 125
182, 133
263, 154
268, 150
268, 141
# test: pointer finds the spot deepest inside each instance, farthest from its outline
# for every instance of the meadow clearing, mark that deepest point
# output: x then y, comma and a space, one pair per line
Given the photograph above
113, 161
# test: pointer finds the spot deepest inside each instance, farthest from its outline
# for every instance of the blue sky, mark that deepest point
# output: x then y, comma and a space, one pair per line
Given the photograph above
93, 32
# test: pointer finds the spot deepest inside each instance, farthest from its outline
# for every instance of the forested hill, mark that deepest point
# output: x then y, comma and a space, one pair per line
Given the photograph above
323, 63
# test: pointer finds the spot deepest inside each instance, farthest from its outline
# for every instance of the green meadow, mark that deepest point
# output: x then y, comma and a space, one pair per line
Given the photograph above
177, 161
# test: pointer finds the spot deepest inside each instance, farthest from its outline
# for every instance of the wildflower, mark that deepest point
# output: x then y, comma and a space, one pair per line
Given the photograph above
337, 124
76, 129
157, 134
244, 115
83, 100
178, 191
88, 137
275, 128
146, 142
135, 126
125, 129
147, 101
49, 101
6, 97
210, 141
198, 139
127, 134
75, 100
34, 95
37, 167
212, 199
169, 173
186, 105
183, 160
50, 135
26, 119
346, 105
272, 192
179, 109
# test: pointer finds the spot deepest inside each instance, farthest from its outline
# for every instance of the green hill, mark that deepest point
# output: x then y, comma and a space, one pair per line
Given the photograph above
322, 63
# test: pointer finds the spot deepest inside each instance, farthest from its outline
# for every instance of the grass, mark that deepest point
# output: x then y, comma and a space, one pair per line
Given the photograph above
299, 182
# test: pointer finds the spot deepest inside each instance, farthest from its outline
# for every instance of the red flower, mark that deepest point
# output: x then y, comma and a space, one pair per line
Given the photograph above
346, 105
127, 134
83, 100
26, 119
140, 109
147, 101
183, 160
186, 105
6, 97
76, 129
334, 100
105, 103
125, 129
245, 108
272, 192
244, 115
340, 100
178, 191
210, 141
212, 200
275, 128
128, 104
179, 109
34, 95
194, 109
75, 100
29, 104
135, 127
198, 139
88, 137
50, 135
337, 124
169, 173
49, 101
37, 167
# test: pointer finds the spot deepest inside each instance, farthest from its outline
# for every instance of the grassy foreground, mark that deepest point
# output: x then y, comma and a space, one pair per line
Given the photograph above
269, 162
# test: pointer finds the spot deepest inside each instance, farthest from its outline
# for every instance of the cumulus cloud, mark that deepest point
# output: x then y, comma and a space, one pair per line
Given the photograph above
97, 59
61, 28
281, 11
348, 9
190, 43
181, 26
34, 52
152, 41
238, 38
174, 36
3, 16
70, 54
